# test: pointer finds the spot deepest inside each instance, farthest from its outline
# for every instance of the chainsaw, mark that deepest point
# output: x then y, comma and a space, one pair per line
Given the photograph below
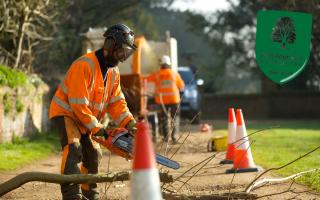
124, 141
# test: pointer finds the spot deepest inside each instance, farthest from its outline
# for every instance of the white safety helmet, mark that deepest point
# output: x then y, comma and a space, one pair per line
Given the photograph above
165, 60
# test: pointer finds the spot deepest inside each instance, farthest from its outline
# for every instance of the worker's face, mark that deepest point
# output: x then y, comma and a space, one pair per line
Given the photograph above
117, 54
123, 53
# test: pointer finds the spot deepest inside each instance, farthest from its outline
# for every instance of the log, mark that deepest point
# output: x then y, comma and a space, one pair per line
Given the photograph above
26, 177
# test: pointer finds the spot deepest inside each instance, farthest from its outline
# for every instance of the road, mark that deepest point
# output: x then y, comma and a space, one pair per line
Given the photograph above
208, 181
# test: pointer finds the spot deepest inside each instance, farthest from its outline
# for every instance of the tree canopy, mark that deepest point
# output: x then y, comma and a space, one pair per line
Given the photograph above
24, 25
44, 34
231, 33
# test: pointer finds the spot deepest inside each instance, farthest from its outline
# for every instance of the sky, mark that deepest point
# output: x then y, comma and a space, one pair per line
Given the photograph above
201, 6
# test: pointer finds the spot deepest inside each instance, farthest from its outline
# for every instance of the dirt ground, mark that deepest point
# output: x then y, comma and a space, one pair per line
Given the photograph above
208, 181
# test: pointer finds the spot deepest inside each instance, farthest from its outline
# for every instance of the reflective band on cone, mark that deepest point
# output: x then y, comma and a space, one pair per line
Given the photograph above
243, 161
145, 181
232, 126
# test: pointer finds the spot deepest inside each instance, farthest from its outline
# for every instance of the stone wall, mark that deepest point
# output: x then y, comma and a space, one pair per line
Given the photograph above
23, 111
302, 105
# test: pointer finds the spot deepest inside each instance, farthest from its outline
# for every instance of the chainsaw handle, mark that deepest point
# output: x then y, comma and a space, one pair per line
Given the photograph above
125, 134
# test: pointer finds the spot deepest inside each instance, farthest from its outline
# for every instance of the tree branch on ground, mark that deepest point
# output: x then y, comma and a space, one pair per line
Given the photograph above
278, 168
26, 177
277, 180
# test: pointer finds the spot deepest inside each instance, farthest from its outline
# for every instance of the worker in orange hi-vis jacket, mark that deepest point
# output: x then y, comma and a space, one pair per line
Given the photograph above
90, 89
168, 85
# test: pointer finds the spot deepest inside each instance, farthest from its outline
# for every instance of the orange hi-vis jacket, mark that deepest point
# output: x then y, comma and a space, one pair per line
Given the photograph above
85, 98
168, 83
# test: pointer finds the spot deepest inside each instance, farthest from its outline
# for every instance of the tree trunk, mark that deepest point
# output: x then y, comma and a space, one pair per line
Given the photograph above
20, 37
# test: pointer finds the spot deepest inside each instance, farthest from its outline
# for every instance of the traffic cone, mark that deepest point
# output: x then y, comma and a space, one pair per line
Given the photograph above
243, 161
145, 181
232, 126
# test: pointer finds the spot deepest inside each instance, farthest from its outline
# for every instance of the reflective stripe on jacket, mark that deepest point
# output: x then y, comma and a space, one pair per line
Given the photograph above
83, 96
168, 83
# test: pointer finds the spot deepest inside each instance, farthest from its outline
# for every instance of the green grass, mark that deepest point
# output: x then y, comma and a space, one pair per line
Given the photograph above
25, 151
278, 146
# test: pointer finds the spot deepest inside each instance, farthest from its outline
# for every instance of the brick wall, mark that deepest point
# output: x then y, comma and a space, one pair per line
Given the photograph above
33, 117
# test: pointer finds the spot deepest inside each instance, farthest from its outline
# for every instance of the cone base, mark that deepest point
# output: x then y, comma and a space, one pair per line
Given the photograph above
145, 185
232, 171
223, 162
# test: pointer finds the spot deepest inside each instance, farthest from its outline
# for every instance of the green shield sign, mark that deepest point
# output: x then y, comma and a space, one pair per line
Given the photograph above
283, 44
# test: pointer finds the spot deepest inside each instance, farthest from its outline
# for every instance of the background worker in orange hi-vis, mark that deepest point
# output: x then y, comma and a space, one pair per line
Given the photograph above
90, 89
168, 85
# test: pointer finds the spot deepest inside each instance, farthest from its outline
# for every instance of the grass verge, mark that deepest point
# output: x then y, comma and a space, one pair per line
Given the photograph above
277, 146
25, 151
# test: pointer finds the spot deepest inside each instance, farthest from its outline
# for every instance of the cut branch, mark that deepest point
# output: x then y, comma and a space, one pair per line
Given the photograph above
277, 180
26, 177
211, 196
283, 166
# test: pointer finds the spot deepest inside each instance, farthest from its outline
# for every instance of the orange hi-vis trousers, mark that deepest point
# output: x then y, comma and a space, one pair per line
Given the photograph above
77, 148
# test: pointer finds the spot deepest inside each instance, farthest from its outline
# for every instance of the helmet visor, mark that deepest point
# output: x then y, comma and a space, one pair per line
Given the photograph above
124, 52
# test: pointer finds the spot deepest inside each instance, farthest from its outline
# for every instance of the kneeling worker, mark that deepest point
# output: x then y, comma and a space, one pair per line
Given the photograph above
90, 89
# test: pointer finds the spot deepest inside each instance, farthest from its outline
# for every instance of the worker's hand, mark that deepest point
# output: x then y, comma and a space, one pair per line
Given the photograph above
102, 133
131, 127
111, 136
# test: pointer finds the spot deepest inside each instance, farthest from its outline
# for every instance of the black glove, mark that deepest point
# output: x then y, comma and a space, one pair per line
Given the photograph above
103, 133
131, 127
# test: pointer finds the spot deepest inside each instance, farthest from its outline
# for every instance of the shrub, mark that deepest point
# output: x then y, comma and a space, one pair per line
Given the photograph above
12, 77
6, 103
19, 106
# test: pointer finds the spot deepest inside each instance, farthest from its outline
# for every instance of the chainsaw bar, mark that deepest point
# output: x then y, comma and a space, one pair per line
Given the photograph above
124, 142
167, 162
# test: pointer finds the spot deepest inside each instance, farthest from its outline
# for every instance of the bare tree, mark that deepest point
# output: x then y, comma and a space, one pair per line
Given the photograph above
24, 24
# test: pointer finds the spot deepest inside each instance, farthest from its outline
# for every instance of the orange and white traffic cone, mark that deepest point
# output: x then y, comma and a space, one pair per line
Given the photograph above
145, 181
232, 127
243, 161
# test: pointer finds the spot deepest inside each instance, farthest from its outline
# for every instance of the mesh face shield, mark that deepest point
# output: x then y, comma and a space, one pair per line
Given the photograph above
124, 52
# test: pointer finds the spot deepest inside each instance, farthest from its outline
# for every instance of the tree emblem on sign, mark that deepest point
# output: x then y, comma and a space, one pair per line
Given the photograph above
284, 32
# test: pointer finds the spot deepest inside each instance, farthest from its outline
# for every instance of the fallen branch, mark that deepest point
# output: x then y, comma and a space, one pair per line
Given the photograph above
171, 196
196, 172
255, 132
26, 177
278, 193
184, 140
283, 166
194, 166
276, 180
